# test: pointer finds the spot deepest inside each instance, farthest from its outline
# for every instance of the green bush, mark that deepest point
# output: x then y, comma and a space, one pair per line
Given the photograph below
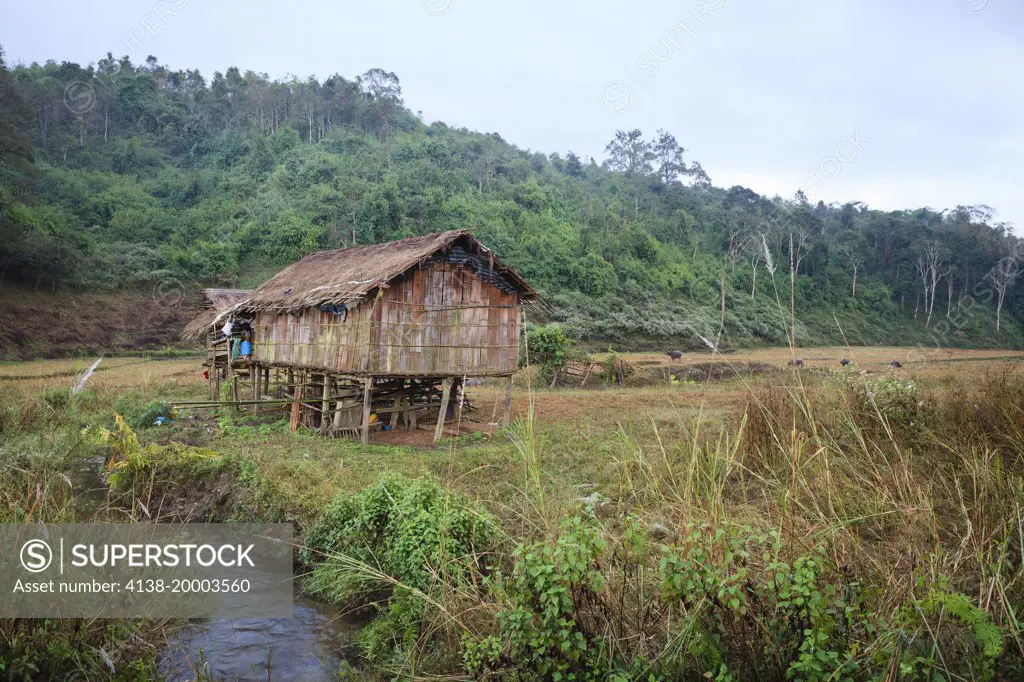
894, 399
546, 345
404, 538
547, 348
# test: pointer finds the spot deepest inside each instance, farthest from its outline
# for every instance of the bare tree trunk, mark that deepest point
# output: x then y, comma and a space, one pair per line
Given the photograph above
949, 297
792, 293
721, 323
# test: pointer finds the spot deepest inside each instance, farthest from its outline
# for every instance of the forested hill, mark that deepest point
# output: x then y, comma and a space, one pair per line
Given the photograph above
120, 176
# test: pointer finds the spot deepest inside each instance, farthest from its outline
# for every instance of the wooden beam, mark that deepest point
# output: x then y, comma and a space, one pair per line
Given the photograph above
367, 390
507, 414
445, 397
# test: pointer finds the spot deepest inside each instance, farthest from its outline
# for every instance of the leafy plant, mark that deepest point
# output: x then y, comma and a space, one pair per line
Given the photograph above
406, 538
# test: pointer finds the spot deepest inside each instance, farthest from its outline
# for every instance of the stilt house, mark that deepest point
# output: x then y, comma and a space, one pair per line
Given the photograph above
382, 334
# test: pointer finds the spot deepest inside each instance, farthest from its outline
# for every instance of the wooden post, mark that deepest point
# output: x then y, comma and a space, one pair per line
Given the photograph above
293, 421
337, 412
507, 414
254, 376
446, 394
367, 390
325, 406
211, 354
232, 378
459, 391
397, 407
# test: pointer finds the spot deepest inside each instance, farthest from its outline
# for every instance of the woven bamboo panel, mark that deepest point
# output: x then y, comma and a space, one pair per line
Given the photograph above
439, 319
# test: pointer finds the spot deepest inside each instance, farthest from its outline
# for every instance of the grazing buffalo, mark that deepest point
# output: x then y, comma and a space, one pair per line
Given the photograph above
675, 354
896, 363
796, 362
846, 362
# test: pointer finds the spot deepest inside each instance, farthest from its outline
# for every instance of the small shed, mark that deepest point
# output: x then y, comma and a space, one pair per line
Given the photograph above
215, 302
385, 331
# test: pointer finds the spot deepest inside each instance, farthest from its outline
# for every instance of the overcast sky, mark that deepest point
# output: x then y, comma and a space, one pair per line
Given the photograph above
897, 104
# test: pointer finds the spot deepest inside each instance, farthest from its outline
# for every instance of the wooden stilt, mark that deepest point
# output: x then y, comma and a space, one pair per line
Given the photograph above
446, 395
337, 413
325, 418
397, 407
458, 392
507, 414
293, 421
231, 376
367, 390
211, 355
254, 377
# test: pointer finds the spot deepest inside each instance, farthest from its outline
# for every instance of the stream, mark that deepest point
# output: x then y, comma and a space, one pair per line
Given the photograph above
310, 646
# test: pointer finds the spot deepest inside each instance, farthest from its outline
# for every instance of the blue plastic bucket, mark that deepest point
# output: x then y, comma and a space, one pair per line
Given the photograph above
246, 348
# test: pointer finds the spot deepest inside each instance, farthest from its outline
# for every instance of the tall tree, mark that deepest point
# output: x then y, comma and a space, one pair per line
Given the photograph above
632, 155
16, 159
1004, 274
931, 268
852, 245
668, 157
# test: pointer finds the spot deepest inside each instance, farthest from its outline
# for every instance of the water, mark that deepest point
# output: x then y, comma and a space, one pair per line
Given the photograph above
309, 647
90, 489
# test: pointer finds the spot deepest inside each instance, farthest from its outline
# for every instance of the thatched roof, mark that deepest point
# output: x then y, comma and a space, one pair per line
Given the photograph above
343, 276
215, 301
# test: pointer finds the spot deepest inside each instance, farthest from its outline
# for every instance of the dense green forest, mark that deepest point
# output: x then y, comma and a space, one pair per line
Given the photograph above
119, 176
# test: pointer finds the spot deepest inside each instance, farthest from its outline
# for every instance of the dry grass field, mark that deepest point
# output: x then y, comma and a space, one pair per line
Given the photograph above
895, 494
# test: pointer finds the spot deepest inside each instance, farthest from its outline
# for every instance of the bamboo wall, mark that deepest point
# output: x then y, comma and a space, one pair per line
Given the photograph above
438, 320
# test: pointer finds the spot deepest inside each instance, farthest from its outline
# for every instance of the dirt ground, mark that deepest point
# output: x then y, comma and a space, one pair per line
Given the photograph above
37, 324
871, 358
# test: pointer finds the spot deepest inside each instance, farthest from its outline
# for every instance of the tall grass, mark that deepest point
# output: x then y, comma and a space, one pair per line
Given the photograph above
850, 528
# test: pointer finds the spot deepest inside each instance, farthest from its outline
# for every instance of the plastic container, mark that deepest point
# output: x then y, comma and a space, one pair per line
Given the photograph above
246, 348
